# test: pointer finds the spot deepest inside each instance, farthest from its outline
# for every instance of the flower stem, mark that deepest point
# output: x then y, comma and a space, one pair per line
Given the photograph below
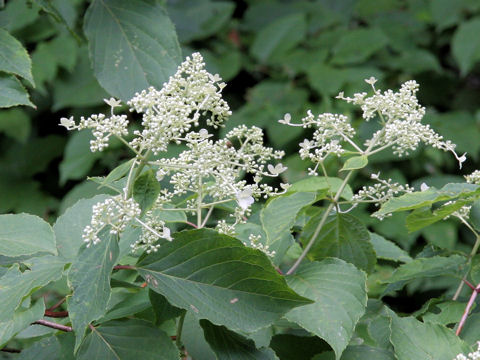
178, 338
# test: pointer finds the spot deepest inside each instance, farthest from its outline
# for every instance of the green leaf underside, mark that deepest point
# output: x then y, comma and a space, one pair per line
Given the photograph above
219, 279
146, 189
24, 234
388, 250
89, 278
342, 236
428, 197
14, 58
413, 339
356, 162
227, 344
277, 219
340, 296
12, 92
319, 183
21, 320
133, 45
127, 340
15, 285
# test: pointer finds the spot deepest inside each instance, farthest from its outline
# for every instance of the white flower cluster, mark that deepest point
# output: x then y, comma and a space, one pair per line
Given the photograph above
473, 178
172, 111
115, 212
153, 228
471, 356
254, 242
380, 193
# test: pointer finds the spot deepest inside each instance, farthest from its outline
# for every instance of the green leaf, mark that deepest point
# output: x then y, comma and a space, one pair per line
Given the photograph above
319, 184
340, 296
132, 304
133, 45
420, 218
281, 35
229, 345
14, 58
342, 236
355, 162
15, 286
21, 320
428, 267
194, 339
162, 309
49, 348
466, 45
358, 45
449, 312
413, 339
119, 172
69, 227
89, 278
278, 218
146, 189
24, 234
127, 340
198, 19
220, 280
291, 347
388, 250
471, 329
428, 197
12, 92
15, 123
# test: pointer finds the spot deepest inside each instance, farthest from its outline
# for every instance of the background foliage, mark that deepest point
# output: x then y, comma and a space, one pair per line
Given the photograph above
61, 58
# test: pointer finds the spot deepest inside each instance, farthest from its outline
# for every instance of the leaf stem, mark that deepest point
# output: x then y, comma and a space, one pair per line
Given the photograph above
178, 338
467, 309
320, 224
53, 325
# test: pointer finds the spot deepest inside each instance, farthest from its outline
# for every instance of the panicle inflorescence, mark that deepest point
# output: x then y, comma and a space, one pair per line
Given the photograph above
475, 355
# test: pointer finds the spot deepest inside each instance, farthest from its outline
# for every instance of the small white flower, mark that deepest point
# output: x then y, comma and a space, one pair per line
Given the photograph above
371, 81
166, 233
69, 123
112, 102
278, 169
286, 119
244, 198
424, 187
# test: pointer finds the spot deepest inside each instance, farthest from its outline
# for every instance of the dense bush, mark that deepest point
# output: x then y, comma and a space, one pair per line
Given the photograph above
61, 59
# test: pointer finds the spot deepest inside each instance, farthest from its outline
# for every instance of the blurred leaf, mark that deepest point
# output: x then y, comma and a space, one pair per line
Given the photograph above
133, 45
358, 45
69, 227
125, 339
14, 58
471, 330
146, 190
89, 278
466, 45
416, 61
22, 319
249, 295
342, 236
320, 183
450, 312
12, 92
78, 159
274, 40
227, 344
442, 234
50, 8
198, 19
413, 339
24, 234
16, 286
278, 218
227, 63
340, 298
388, 250
15, 123
18, 14
291, 347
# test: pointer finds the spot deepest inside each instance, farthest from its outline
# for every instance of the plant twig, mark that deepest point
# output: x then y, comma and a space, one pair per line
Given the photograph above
53, 325
51, 308
10, 350
467, 309
56, 314
124, 267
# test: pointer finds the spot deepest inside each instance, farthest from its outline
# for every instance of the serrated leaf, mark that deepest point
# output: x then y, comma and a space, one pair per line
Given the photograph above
428, 267
340, 296
12, 92
428, 197
278, 37
126, 340
321, 183
277, 219
15, 285
227, 344
388, 250
413, 339
21, 320
69, 227
146, 189
133, 45
466, 45
355, 163
342, 236
358, 45
25, 234
220, 280
14, 58
89, 278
